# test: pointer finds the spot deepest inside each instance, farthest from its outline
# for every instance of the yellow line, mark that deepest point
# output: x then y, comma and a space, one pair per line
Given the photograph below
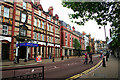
85, 72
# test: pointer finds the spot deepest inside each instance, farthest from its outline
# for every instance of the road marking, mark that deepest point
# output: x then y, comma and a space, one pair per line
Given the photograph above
85, 72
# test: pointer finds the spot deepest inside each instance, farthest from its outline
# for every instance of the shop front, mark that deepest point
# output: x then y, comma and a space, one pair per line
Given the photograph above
23, 50
5, 47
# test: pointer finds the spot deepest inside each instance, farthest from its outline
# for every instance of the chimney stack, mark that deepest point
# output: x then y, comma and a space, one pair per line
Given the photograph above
73, 28
50, 10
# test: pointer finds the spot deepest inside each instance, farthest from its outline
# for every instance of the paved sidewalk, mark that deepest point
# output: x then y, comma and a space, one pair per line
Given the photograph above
32, 62
110, 71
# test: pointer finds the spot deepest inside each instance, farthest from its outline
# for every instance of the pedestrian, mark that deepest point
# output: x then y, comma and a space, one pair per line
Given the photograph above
101, 55
18, 59
107, 56
90, 56
86, 59
15, 60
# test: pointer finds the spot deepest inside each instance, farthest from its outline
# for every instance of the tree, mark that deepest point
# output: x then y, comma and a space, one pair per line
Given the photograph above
88, 48
101, 12
76, 45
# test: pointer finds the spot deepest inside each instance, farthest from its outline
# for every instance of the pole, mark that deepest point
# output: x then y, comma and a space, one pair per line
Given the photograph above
105, 34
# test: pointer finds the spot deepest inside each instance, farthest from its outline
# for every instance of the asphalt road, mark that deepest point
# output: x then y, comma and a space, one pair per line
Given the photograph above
53, 70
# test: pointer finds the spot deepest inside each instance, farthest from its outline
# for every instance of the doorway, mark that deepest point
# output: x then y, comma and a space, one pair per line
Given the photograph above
22, 52
5, 51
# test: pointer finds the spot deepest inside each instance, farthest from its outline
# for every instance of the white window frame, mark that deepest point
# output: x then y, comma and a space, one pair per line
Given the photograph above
51, 39
22, 32
55, 29
55, 40
5, 30
66, 42
0, 10
38, 36
35, 21
48, 39
48, 27
39, 13
39, 23
65, 34
6, 12
51, 28
43, 37
35, 35
42, 24
23, 17
24, 5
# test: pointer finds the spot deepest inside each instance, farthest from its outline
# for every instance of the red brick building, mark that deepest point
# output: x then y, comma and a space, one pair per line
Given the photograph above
26, 30
67, 36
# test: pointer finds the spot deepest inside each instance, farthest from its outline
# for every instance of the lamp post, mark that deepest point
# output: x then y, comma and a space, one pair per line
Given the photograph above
105, 36
104, 65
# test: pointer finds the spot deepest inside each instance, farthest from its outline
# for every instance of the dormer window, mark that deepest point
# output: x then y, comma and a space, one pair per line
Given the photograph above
6, 12
24, 5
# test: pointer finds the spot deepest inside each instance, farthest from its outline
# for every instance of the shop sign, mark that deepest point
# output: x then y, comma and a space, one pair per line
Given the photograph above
27, 44
9, 20
35, 45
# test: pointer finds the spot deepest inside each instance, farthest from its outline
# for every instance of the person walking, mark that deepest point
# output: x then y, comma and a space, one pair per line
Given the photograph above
90, 56
86, 59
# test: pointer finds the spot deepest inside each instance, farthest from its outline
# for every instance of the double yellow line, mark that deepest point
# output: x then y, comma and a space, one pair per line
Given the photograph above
85, 72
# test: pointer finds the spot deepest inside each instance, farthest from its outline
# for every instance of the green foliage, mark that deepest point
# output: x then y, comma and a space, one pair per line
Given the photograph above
101, 12
88, 48
76, 44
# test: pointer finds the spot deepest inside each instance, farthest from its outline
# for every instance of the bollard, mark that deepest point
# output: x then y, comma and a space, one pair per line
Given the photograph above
25, 60
67, 57
53, 59
104, 62
62, 58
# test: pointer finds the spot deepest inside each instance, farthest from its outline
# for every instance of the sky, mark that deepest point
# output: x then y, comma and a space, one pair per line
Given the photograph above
89, 27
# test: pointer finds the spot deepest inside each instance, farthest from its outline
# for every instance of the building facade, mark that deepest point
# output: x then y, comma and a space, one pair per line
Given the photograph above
67, 37
26, 30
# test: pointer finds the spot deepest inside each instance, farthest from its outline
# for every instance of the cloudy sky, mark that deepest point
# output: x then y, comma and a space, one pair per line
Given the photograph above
89, 27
